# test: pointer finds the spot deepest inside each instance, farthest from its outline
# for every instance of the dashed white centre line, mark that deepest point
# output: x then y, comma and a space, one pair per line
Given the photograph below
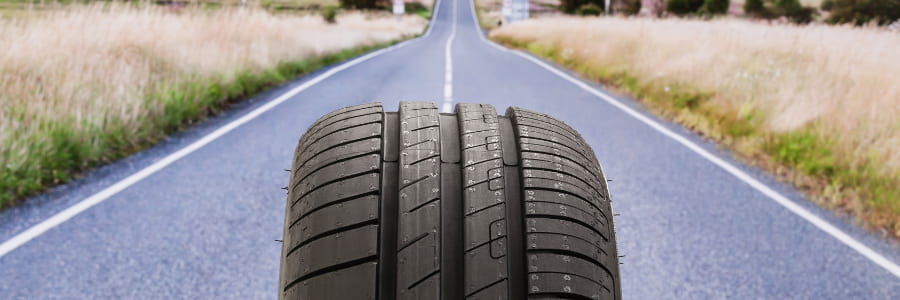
448, 66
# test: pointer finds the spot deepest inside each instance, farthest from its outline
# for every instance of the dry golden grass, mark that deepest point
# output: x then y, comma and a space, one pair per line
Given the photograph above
822, 99
94, 69
843, 80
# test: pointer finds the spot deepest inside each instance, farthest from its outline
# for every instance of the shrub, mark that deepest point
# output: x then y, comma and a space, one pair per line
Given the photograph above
800, 14
770, 9
589, 9
415, 6
329, 13
359, 4
860, 12
715, 7
630, 7
572, 6
757, 8
683, 7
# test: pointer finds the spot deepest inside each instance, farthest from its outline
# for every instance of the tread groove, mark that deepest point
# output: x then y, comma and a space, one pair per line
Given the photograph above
413, 241
570, 219
411, 183
424, 127
423, 204
417, 143
422, 159
330, 232
332, 203
485, 287
572, 254
304, 147
345, 159
364, 173
421, 280
326, 150
567, 193
330, 269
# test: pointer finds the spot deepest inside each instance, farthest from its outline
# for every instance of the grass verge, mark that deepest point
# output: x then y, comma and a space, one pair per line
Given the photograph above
70, 152
808, 156
74, 95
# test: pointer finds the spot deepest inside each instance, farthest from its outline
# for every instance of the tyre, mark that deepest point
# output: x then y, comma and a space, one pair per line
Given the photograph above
418, 204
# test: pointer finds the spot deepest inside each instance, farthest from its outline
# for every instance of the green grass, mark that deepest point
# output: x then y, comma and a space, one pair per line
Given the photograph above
68, 153
806, 156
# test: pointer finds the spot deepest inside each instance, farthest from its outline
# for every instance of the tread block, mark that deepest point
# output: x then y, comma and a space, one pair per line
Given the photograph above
567, 264
556, 285
556, 241
334, 285
331, 218
339, 248
592, 208
563, 211
485, 269
343, 124
344, 152
484, 202
542, 224
337, 172
360, 132
419, 238
352, 187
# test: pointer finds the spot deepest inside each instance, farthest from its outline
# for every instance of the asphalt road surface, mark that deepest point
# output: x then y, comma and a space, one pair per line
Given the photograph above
200, 218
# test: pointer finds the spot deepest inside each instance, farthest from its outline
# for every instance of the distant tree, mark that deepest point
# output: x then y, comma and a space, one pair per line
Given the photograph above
796, 12
683, 7
714, 7
589, 9
359, 4
756, 8
790, 9
628, 7
861, 12
572, 6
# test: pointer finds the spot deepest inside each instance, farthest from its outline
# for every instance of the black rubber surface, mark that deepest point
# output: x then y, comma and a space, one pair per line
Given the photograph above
423, 205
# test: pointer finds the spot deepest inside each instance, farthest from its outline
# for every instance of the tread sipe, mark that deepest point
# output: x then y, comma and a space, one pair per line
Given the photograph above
418, 204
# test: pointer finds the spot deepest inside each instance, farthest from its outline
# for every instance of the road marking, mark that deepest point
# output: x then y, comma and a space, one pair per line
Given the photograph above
798, 210
447, 107
60, 217
480, 33
437, 9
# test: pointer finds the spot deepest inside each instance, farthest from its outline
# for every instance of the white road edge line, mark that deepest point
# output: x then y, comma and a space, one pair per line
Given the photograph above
447, 107
66, 214
798, 210
437, 9
480, 33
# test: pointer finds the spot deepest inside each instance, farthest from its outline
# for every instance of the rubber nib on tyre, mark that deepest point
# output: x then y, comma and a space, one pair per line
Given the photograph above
418, 204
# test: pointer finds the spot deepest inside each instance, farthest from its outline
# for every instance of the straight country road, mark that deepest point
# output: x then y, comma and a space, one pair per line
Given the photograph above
200, 218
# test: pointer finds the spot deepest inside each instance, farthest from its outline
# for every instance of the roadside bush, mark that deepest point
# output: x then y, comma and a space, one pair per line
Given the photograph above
757, 9
771, 9
329, 13
589, 9
414, 6
859, 12
572, 6
799, 14
359, 4
630, 7
683, 7
714, 7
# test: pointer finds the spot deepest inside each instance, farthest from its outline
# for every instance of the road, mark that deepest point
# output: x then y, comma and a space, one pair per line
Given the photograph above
203, 226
